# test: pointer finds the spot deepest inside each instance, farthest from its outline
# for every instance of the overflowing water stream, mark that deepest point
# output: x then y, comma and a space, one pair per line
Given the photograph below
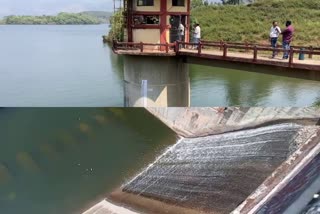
216, 173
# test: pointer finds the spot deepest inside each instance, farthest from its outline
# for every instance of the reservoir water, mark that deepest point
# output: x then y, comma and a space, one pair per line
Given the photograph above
69, 66
61, 160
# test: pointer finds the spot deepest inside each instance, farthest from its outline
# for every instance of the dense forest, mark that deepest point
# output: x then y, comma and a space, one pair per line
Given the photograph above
90, 17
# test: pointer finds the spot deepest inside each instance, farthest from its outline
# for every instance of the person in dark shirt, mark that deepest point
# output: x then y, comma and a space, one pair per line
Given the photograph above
287, 36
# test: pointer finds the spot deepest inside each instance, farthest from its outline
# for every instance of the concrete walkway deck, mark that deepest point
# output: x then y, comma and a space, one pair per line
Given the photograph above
232, 56
249, 55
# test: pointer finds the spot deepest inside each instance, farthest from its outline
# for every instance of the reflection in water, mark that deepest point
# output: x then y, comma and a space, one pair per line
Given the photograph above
58, 66
212, 86
156, 81
26, 162
4, 174
76, 69
216, 86
60, 160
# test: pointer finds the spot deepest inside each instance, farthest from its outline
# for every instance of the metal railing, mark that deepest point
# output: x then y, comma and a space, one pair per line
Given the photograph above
248, 45
140, 46
224, 47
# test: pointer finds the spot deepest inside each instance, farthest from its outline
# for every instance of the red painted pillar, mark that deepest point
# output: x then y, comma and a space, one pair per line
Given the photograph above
163, 23
187, 29
129, 20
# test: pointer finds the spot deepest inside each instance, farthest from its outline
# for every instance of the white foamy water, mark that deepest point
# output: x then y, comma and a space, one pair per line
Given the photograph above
215, 172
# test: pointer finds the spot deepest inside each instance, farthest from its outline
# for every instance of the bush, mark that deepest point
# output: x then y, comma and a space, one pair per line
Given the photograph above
117, 25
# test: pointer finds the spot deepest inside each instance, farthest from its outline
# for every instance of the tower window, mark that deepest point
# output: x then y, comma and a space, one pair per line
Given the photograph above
145, 3
146, 20
177, 2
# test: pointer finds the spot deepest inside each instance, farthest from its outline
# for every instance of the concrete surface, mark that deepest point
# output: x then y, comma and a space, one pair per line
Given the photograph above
160, 82
195, 122
105, 207
261, 159
215, 174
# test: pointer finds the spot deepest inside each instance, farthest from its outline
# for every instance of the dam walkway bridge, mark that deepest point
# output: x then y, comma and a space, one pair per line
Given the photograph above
249, 53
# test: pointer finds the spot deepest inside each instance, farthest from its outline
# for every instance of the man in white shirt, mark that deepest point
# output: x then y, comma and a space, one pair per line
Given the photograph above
181, 34
197, 34
274, 34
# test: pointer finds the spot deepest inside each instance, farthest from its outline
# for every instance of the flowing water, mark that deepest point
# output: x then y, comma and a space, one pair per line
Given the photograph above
216, 173
62, 160
69, 66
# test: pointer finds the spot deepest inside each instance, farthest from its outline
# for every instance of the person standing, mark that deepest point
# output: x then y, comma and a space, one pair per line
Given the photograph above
287, 36
274, 34
197, 34
181, 34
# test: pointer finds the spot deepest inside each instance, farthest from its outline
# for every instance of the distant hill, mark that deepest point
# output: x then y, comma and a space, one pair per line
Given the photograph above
102, 15
86, 17
252, 22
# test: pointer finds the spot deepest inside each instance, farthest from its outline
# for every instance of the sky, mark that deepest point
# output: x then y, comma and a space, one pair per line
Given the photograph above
48, 7
51, 7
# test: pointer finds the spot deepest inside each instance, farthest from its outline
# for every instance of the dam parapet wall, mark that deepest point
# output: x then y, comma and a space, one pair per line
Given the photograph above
197, 122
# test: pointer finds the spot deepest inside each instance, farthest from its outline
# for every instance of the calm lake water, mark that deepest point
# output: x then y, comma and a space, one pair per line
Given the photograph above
61, 160
69, 66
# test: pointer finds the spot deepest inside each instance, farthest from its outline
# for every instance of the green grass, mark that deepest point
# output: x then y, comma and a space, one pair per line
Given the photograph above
252, 23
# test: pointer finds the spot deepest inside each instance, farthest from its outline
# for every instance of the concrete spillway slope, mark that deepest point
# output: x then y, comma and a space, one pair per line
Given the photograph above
240, 160
213, 174
195, 122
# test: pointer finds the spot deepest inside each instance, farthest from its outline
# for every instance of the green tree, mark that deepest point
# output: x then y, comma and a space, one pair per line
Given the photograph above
117, 22
196, 3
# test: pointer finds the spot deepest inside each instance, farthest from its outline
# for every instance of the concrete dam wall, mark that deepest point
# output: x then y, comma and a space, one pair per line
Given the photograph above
161, 82
239, 160
215, 174
196, 122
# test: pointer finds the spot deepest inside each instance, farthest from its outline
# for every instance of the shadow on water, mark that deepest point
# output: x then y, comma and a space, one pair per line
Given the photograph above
116, 61
60, 160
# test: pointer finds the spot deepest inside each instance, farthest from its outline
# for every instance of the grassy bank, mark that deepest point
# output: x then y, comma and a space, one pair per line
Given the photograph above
252, 22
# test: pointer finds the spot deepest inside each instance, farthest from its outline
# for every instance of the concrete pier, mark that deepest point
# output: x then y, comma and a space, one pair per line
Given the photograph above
156, 81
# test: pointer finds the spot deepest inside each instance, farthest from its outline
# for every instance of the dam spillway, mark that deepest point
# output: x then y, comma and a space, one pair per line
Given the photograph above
217, 173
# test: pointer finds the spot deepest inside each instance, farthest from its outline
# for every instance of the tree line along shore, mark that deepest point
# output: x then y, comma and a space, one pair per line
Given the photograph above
89, 17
